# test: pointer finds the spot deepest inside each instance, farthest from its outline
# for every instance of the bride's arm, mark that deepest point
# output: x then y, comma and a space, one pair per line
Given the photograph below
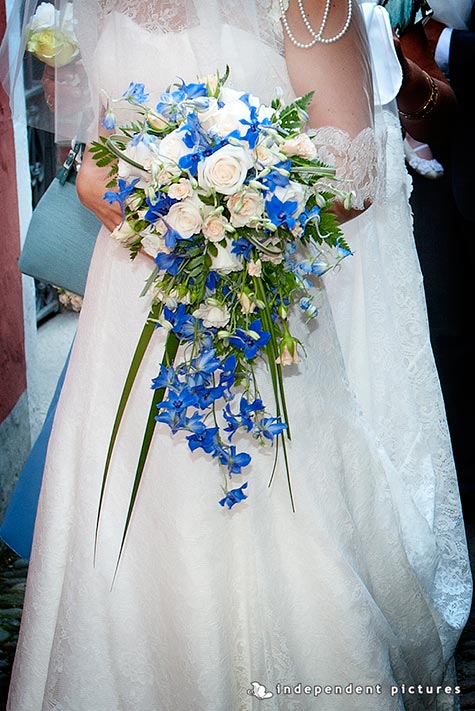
91, 185
338, 72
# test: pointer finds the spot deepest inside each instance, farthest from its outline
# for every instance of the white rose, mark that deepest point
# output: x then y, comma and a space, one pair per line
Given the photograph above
208, 116
123, 233
269, 155
214, 227
228, 118
142, 153
153, 244
300, 145
245, 207
44, 17
180, 190
212, 314
172, 147
225, 170
185, 218
225, 261
293, 192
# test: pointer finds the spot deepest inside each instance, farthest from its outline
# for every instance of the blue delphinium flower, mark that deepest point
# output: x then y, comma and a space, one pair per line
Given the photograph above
177, 317
179, 401
167, 378
268, 427
207, 440
281, 213
135, 92
159, 207
205, 364
124, 192
234, 496
242, 247
233, 460
250, 341
169, 263
109, 120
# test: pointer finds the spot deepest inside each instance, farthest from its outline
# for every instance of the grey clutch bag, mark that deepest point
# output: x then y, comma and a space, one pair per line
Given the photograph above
62, 233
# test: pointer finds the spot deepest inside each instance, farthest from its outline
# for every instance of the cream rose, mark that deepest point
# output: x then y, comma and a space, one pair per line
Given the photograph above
214, 315
225, 170
300, 145
180, 190
225, 261
214, 227
245, 207
185, 218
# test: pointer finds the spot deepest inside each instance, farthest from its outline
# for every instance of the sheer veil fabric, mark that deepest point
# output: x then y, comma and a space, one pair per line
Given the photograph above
369, 581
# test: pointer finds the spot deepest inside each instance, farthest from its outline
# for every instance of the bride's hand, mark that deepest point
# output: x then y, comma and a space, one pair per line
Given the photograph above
91, 185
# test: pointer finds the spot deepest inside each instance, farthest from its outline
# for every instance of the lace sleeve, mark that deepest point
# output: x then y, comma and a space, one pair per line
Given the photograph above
355, 159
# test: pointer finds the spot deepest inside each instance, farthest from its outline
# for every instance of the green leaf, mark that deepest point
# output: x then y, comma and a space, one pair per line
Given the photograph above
138, 356
171, 348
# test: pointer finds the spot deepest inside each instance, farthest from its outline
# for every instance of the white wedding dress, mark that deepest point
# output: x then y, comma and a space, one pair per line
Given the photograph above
367, 583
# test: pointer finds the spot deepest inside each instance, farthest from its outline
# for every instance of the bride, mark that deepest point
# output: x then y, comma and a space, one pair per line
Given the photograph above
355, 600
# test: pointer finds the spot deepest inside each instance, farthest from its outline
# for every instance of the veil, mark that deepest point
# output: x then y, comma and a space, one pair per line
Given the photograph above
377, 299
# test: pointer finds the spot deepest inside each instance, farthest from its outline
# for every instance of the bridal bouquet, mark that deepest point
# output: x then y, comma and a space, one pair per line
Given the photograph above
228, 197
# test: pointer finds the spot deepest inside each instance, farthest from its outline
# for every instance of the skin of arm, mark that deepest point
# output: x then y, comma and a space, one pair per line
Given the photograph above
415, 55
338, 72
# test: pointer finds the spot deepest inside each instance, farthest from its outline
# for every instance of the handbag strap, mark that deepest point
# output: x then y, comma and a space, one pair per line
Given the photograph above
67, 172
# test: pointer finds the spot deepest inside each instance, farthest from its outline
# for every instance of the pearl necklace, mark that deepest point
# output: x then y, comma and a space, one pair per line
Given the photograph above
317, 36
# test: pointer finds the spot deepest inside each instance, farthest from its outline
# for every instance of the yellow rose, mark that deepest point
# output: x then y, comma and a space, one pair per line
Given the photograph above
52, 47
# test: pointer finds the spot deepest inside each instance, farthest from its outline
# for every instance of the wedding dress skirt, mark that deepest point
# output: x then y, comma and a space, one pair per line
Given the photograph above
366, 583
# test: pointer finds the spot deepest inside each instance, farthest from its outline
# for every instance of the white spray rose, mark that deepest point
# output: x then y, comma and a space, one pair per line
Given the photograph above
245, 207
225, 261
214, 227
185, 218
123, 233
172, 147
180, 190
300, 145
213, 314
293, 192
152, 244
225, 170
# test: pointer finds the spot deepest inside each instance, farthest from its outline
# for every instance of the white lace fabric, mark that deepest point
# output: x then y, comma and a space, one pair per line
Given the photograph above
368, 582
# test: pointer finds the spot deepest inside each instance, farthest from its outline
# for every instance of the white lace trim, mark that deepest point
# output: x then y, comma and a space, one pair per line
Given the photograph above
355, 159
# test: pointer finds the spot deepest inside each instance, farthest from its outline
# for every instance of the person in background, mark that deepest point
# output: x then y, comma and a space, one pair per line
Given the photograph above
442, 208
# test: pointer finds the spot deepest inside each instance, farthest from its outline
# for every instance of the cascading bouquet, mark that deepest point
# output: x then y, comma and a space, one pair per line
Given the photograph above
227, 195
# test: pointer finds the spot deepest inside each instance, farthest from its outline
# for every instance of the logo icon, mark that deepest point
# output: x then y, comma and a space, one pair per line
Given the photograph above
259, 691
